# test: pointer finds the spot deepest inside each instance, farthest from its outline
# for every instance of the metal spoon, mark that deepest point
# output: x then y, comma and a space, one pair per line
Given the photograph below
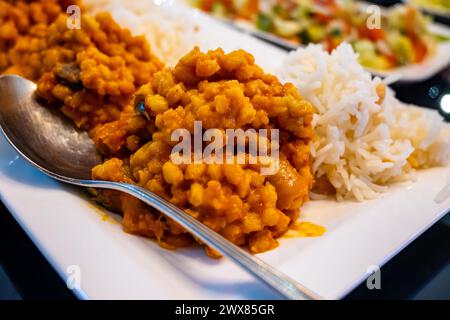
52, 144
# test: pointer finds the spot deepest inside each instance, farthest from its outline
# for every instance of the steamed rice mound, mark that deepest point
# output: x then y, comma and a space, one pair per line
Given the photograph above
365, 138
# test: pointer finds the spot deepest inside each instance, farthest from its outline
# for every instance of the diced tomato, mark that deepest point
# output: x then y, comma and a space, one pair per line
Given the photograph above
362, 32
323, 18
251, 8
411, 20
371, 34
420, 49
327, 3
392, 60
206, 5
331, 44
347, 27
377, 34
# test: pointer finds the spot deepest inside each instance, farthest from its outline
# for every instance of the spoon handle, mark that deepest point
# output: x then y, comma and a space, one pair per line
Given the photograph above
287, 287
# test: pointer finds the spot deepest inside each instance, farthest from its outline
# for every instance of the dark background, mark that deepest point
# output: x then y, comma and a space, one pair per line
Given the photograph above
421, 271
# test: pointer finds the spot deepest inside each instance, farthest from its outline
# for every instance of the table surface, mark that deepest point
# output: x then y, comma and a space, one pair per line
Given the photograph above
420, 271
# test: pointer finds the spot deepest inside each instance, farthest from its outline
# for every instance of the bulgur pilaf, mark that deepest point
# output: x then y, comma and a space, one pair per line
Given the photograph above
223, 91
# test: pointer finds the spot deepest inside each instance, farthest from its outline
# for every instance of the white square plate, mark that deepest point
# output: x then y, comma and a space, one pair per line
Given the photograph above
74, 235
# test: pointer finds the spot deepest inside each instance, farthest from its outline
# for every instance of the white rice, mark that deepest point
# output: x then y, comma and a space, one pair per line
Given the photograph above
361, 145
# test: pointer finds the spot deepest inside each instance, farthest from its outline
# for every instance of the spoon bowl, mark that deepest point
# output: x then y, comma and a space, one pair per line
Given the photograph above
41, 134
